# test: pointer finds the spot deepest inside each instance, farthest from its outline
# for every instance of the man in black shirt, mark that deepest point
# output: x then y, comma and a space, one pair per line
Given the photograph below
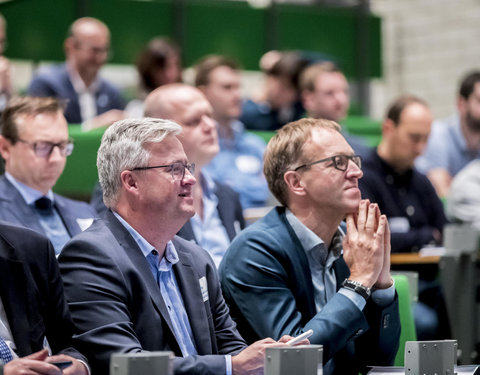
406, 196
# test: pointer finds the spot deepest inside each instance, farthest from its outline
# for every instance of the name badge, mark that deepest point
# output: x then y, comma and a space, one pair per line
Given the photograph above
203, 288
399, 224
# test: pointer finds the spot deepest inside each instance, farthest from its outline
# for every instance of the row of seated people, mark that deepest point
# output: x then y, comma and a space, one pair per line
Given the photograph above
296, 84
132, 285
35, 160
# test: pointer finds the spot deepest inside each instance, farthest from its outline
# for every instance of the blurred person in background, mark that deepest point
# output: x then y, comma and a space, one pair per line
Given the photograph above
5, 71
239, 163
91, 100
159, 63
325, 94
280, 101
455, 141
407, 197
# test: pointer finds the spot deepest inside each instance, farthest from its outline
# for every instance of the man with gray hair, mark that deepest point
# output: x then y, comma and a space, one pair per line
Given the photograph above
132, 285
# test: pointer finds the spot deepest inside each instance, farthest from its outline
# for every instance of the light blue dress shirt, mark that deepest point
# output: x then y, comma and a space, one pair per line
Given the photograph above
320, 262
162, 271
52, 223
210, 232
446, 148
239, 164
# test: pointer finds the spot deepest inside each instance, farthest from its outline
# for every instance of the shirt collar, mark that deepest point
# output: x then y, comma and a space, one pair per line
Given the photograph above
310, 240
79, 85
208, 185
28, 194
171, 254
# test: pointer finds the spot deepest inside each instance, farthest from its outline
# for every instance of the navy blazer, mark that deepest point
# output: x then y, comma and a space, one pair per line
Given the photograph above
117, 306
229, 210
55, 81
267, 283
14, 210
32, 293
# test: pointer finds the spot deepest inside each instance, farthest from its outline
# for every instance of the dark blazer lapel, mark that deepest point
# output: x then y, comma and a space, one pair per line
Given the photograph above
69, 221
73, 104
225, 211
189, 285
139, 262
15, 300
186, 232
15, 204
297, 251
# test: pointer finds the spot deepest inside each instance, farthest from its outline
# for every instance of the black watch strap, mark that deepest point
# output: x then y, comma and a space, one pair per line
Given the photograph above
357, 287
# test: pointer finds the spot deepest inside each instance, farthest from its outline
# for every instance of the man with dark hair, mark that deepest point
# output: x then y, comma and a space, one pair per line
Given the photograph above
239, 162
132, 285
280, 102
34, 316
407, 197
325, 94
34, 144
454, 142
91, 100
295, 269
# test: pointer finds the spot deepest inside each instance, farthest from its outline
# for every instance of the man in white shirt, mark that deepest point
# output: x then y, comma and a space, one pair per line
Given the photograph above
91, 100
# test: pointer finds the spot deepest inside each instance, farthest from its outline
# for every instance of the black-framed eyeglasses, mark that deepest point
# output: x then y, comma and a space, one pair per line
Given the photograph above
176, 169
44, 149
339, 162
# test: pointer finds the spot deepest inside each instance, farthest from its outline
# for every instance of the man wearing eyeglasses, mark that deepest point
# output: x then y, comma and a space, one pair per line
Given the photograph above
296, 270
132, 285
91, 100
34, 144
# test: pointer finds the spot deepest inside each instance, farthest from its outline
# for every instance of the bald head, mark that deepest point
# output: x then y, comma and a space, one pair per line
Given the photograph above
87, 46
188, 107
169, 101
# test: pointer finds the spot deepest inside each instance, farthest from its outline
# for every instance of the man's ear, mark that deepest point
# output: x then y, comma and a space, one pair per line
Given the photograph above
5, 145
307, 96
294, 182
387, 127
129, 182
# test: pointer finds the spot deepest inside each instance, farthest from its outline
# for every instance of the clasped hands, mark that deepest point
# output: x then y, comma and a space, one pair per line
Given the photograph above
366, 246
40, 363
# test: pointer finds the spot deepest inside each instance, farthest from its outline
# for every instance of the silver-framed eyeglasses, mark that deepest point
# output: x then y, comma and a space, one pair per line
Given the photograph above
176, 169
44, 149
339, 162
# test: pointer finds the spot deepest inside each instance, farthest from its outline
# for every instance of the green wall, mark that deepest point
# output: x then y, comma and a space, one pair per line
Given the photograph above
37, 28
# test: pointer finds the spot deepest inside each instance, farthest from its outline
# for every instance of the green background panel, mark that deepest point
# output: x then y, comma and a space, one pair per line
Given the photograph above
328, 31
36, 29
230, 28
132, 24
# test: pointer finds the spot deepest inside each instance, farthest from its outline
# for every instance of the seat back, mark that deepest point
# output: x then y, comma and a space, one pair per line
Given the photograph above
407, 322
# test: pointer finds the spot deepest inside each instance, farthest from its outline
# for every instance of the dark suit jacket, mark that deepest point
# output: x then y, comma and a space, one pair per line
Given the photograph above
32, 292
14, 210
117, 306
267, 283
55, 81
229, 209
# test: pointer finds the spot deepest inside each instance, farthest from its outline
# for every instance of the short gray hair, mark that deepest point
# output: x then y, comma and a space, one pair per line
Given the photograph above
123, 148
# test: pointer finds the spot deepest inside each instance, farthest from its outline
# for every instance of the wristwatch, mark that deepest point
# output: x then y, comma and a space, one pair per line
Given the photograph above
364, 291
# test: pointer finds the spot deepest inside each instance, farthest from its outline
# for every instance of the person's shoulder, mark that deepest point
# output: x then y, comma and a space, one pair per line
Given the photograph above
22, 239
223, 189
107, 85
199, 256
50, 73
269, 229
74, 205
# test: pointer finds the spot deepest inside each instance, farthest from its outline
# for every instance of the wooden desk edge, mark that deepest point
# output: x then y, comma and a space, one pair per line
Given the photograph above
413, 258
